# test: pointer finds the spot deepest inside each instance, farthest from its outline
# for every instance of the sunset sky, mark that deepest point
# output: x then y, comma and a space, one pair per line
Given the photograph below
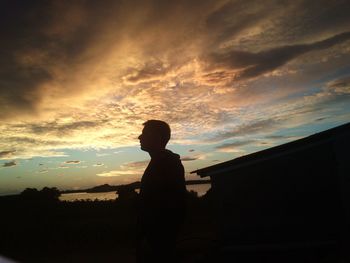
78, 79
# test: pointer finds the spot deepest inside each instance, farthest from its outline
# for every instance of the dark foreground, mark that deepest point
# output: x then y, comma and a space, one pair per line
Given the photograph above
89, 231
48, 230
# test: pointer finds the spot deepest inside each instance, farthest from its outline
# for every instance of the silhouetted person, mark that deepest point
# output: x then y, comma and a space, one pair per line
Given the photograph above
162, 194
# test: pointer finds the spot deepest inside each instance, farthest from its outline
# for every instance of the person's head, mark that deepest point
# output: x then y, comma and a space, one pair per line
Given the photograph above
155, 135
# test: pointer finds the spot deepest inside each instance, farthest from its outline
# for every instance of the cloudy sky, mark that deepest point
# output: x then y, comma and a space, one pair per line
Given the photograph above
78, 79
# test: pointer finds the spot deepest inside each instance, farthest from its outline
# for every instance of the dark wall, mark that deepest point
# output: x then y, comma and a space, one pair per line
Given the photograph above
291, 198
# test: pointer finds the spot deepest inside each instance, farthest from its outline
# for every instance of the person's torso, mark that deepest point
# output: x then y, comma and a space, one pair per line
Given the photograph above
163, 183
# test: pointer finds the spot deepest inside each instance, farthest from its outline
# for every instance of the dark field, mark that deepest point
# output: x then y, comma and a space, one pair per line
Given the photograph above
47, 230
91, 231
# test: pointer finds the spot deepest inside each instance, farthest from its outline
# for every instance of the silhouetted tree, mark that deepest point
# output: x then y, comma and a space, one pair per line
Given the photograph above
45, 194
30, 194
50, 193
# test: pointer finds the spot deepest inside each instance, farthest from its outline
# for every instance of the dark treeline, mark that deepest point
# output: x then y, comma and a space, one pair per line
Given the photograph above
37, 227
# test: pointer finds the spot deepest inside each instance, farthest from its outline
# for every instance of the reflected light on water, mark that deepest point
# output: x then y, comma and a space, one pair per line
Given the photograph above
201, 189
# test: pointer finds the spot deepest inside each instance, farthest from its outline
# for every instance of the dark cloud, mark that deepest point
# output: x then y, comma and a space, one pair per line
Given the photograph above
38, 40
9, 164
254, 64
233, 145
19, 83
321, 119
72, 162
188, 158
63, 129
232, 18
314, 18
147, 73
222, 76
6, 154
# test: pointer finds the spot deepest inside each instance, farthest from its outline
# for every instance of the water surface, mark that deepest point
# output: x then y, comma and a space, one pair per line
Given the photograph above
201, 189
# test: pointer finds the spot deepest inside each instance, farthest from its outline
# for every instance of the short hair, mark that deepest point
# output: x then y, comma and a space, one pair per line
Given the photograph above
160, 128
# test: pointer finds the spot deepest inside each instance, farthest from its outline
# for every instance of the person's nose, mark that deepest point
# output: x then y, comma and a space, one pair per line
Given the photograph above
139, 137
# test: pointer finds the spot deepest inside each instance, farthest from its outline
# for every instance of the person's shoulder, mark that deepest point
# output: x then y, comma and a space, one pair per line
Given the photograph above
170, 157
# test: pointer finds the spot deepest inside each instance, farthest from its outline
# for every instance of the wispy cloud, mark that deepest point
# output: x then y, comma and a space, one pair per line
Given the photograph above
282, 137
138, 165
340, 86
102, 154
234, 146
188, 158
117, 173
195, 156
72, 162
127, 169
260, 126
82, 167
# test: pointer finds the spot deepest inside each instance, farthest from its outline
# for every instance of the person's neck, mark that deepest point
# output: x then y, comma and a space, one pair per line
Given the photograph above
155, 153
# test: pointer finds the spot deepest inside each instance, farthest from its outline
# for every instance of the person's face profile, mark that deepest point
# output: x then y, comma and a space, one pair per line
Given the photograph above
148, 139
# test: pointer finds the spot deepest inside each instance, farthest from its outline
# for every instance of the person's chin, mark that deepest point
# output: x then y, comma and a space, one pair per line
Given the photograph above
143, 148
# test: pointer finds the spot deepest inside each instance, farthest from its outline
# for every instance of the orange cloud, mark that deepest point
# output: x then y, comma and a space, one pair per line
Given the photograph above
88, 74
